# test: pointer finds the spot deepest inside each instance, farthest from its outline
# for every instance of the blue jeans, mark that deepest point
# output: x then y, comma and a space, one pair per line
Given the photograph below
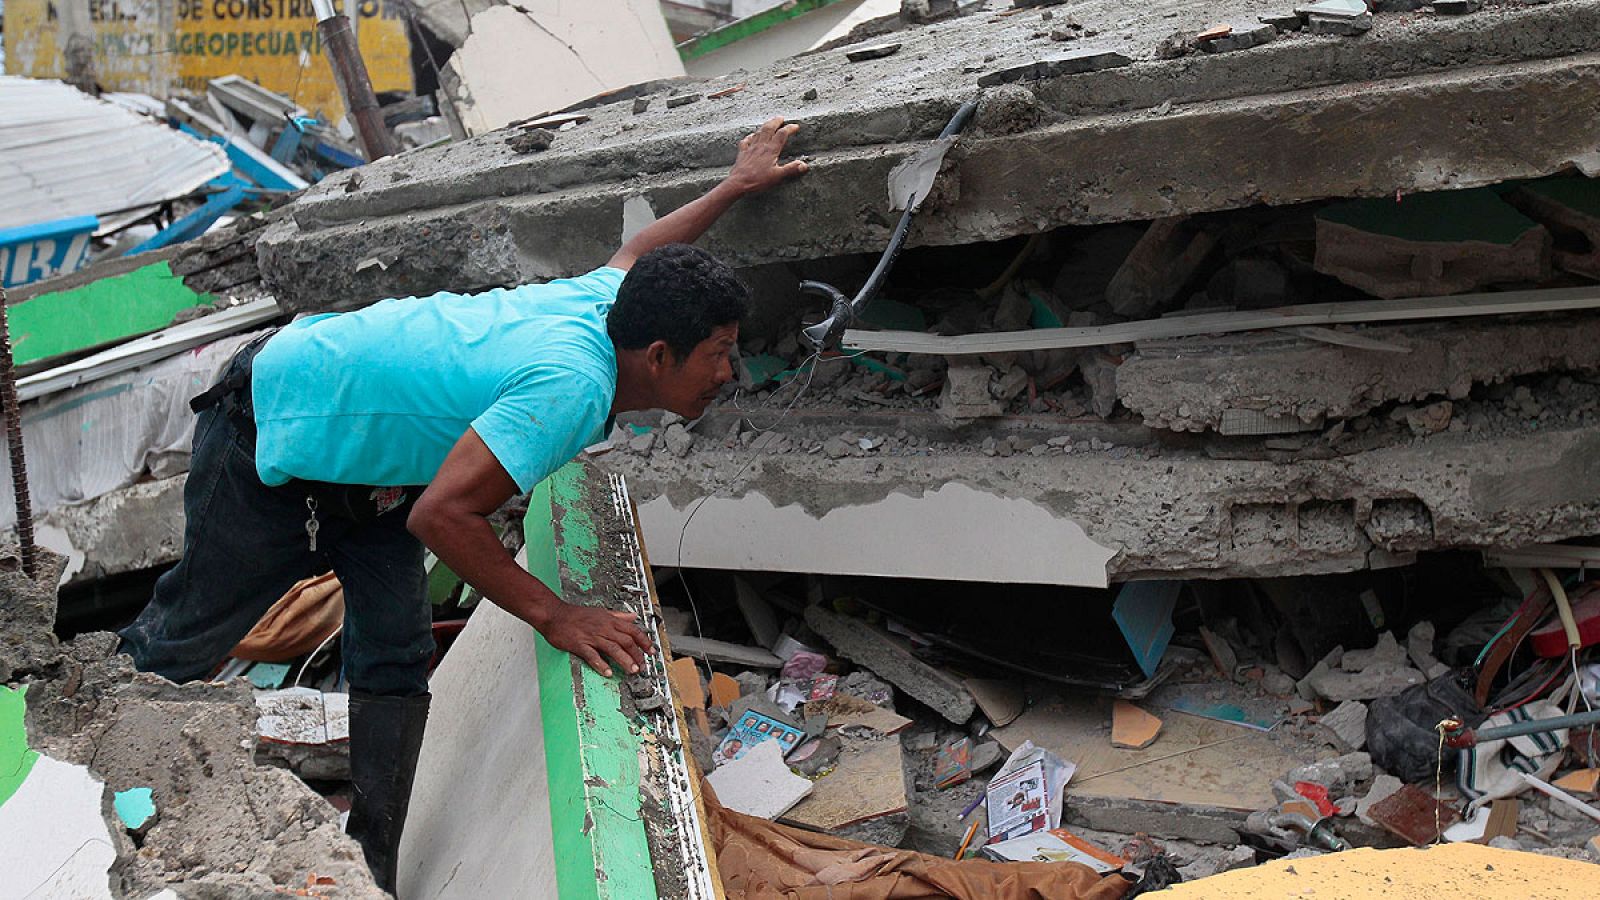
245, 545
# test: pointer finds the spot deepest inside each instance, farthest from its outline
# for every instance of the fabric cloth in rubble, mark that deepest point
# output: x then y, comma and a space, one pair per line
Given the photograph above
761, 860
298, 623
379, 396
1489, 770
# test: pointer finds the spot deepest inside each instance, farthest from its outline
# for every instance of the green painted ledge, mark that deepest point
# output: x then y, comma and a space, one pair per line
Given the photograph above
717, 38
591, 750
101, 312
16, 760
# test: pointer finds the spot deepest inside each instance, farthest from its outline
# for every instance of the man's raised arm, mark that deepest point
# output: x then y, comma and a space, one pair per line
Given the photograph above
756, 169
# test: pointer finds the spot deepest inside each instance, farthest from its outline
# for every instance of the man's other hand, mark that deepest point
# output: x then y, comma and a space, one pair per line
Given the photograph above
757, 167
586, 632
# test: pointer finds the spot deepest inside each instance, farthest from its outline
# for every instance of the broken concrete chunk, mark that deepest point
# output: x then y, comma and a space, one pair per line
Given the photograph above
966, 393
1369, 684
1348, 723
868, 647
1071, 64
1339, 774
1396, 6
875, 51
1241, 37
1283, 21
1339, 25
1419, 646
1386, 653
1456, 7
534, 140
678, 440
640, 104
1100, 374
682, 100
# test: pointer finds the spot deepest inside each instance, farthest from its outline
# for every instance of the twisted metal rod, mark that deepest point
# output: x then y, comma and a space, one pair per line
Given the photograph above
19, 462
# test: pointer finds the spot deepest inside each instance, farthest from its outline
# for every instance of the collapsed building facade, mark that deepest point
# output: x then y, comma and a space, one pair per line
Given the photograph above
1099, 183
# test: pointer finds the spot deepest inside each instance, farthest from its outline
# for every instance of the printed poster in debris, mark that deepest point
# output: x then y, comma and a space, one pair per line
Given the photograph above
754, 728
1018, 803
1055, 845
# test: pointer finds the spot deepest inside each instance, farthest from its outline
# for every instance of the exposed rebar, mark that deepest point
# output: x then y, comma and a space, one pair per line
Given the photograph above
19, 462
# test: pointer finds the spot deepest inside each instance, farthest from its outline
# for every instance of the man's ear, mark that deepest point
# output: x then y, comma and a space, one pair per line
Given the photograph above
659, 357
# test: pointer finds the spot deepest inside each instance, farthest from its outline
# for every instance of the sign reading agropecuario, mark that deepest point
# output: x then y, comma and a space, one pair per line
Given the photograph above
168, 47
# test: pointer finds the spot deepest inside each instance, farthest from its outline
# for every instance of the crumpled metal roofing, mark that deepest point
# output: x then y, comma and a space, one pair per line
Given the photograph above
64, 153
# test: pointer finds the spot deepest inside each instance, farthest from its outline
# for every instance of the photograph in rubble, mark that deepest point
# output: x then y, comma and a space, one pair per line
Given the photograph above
1141, 449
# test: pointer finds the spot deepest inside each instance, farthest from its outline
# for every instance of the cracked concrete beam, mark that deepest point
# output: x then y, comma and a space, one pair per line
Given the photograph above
1188, 384
1169, 515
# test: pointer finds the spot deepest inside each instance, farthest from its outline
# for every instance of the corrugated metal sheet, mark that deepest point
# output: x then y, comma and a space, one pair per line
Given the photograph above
64, 153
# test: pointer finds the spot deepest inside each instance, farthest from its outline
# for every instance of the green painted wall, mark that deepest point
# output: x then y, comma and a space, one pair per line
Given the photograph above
100, 312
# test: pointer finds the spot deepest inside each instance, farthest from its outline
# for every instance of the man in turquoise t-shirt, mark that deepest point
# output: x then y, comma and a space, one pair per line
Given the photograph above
351, 441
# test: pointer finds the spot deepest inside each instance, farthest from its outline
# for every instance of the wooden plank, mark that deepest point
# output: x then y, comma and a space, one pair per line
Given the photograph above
1310, 314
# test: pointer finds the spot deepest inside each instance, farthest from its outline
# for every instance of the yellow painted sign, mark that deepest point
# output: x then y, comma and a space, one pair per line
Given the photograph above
173, 47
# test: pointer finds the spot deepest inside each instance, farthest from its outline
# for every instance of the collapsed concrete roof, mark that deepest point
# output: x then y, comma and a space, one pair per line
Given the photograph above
1421, 102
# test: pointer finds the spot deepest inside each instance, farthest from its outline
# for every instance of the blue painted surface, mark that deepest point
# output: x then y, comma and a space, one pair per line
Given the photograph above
1144, 613
234, 191
30, 253
268, 676
135, 806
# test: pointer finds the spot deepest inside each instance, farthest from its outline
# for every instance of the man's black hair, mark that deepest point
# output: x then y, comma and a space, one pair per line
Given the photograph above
678, 294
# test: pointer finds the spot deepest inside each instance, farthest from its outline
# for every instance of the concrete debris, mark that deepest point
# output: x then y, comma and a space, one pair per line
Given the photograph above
1348, 723
1341, 774
1339, 25
1160, 266
1240, 37
28, 615
966, 393
875, 51
1076, 63
1381, 671
890, 660
1419, 647
534, 140
1456, 7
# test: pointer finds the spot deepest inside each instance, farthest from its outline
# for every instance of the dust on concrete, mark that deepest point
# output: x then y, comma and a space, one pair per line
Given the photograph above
225, 827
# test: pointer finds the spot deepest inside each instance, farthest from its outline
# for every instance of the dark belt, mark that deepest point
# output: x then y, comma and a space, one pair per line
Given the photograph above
356, 502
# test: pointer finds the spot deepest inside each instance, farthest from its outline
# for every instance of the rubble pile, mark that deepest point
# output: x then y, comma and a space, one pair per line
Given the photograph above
215, 824
1233, 752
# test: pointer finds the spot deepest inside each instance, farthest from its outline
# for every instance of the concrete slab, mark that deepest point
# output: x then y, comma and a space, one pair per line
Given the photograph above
1277, 124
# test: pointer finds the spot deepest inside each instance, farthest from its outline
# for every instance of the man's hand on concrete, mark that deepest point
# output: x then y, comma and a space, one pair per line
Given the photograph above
586, 632
757, 167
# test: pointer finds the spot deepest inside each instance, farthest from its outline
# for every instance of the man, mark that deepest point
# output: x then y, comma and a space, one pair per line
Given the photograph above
310, 452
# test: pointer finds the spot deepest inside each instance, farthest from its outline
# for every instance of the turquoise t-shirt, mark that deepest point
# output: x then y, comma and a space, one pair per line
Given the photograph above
380, 395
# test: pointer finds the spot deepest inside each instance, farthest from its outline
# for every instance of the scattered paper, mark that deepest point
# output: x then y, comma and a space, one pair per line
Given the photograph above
1055, 845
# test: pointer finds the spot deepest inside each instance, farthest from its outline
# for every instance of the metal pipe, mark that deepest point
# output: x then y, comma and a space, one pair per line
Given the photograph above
843, 311
355, 86
1459, 736
18, 459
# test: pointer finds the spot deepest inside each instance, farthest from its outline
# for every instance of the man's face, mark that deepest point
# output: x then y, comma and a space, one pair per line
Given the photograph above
687, 386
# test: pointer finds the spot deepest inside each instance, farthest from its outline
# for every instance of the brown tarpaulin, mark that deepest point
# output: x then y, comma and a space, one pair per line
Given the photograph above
761, 860
298, 623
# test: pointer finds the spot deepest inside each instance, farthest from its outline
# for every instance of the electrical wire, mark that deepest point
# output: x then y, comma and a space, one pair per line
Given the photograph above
815, 360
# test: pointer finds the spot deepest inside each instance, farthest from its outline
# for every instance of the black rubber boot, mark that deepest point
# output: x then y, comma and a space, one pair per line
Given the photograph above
385, 738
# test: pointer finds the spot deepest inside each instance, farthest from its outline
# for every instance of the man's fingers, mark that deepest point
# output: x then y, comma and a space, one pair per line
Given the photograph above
592, 657
792, 169
772, 124
620, 656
